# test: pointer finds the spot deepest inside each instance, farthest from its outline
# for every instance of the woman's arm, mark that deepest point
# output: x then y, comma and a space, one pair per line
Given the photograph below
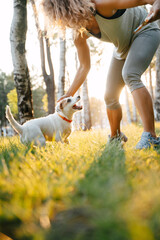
106, 6
84, 67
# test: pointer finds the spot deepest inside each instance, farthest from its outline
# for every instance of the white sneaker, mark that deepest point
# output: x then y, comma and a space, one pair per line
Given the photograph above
147, 141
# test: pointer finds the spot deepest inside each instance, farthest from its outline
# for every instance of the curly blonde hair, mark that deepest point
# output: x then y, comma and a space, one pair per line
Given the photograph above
68, 13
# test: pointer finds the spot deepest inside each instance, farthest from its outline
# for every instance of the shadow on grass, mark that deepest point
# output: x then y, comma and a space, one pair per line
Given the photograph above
98, 202
8, 226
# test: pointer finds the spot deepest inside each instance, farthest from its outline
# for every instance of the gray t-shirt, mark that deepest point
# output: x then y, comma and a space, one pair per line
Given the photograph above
119, 31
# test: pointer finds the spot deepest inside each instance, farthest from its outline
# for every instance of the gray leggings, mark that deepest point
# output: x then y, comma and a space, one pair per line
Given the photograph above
129, 71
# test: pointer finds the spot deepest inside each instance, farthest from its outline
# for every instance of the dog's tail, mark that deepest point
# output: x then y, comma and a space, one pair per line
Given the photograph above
13, 122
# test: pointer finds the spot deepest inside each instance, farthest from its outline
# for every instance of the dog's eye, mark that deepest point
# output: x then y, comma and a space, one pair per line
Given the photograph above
68, 100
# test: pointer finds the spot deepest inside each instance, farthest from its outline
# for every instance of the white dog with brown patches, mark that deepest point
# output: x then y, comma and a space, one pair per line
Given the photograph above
55, 126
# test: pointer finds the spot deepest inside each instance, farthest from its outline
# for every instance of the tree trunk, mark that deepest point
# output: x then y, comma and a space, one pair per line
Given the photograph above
128, 113
21, 72
61, 81
77, 118
86, 115
48, 78
157, 89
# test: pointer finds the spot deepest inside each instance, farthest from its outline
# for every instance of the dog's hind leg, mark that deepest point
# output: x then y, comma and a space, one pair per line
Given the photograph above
58, 137
35, 136
40, 141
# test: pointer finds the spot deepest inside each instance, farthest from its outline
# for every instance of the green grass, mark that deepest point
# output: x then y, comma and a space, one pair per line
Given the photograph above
82, 191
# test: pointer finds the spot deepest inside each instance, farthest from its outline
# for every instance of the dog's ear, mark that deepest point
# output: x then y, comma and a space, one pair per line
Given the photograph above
61, 105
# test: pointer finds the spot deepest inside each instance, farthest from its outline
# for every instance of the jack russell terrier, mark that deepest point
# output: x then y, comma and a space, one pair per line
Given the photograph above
55, 126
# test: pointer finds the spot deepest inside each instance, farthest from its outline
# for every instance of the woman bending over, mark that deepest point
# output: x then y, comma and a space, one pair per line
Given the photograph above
114, 21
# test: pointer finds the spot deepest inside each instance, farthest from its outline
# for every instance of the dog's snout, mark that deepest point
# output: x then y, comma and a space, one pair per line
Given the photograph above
78, 97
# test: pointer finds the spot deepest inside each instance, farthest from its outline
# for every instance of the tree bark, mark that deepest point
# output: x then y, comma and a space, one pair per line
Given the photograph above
157, 89
77, 118
21, 72
48, 78
86, 115
61, 81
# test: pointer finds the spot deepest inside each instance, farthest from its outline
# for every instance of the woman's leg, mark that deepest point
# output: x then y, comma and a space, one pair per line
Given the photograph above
114, 86
114, 117
139, 57
144, 105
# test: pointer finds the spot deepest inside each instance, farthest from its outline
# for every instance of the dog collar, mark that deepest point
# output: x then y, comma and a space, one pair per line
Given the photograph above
65, 119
